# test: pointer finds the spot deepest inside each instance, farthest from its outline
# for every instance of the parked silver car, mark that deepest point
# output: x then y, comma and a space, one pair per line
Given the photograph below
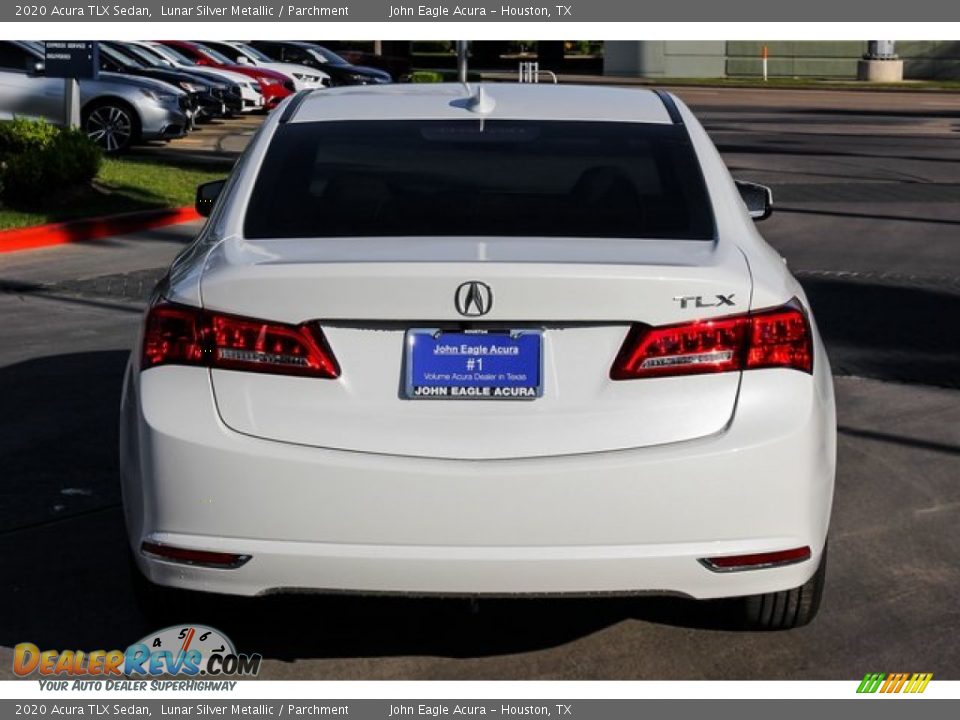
116, 110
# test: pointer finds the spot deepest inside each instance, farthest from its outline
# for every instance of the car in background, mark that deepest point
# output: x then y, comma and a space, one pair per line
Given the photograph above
316, 56
214, 96
396, 66
304, 78
116, 111
274, 86
115, 62
250, 91
475, 340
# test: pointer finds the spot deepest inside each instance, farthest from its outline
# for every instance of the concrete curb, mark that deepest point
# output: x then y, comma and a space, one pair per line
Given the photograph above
40, 236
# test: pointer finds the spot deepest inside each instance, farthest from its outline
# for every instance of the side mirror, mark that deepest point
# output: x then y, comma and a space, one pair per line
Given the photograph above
758, 199
207, 195
243, 60
36, 68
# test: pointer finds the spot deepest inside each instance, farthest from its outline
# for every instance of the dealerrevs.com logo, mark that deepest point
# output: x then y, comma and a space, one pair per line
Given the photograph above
180, 650
889, 683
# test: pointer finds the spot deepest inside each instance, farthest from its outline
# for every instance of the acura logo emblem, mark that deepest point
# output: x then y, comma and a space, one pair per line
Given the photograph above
473, 299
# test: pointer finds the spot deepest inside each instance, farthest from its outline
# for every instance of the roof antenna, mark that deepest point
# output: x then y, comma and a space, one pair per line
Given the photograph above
481, 103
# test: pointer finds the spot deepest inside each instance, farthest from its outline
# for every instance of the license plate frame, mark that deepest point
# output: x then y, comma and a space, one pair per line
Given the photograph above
511, 372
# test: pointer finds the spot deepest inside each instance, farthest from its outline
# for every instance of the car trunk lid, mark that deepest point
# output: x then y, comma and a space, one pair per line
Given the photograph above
583, 295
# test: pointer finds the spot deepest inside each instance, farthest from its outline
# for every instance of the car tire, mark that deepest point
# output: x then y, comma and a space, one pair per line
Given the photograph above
112, 124
786, 609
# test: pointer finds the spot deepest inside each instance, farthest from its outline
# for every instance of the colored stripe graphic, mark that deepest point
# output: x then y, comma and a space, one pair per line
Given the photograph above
918, 683
894, 683
871, 682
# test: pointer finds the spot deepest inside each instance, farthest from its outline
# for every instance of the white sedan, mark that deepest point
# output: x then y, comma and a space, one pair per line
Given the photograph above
482, 340
303, 77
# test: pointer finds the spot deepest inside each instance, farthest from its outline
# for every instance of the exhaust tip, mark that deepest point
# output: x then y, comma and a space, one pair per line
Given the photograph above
199, 558
757, 561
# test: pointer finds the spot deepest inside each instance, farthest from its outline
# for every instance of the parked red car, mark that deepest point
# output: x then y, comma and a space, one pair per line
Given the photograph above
274, 86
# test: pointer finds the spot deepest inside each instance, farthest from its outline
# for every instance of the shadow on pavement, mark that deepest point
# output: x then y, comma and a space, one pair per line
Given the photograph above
867, 215
805, 149
825, 114
900, 332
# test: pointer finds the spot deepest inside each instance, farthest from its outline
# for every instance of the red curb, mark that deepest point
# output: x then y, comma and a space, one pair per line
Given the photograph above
92, 228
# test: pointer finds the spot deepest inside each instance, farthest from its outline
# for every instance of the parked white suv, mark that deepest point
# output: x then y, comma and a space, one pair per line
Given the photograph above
482, 340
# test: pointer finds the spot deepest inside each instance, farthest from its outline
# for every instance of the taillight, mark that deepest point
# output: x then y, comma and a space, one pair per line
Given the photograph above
182, 335
757, 561
778, 337
204, 558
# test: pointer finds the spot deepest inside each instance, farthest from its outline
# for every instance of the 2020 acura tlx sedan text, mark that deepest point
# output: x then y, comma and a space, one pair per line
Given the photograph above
478, 340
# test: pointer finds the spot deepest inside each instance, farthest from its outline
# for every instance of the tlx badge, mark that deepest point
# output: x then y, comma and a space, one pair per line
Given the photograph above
698, 301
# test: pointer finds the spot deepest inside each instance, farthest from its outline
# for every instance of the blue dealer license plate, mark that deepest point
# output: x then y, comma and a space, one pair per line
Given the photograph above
488, 365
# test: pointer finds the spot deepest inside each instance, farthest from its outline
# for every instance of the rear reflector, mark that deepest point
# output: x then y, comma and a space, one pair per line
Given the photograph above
757, 561
778, 337
205, 558
183, 335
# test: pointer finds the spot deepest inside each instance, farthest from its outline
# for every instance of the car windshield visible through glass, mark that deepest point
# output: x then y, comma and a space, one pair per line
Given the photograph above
119, 58
216, 55
253, 52
476, 178
326, 56
143, 55
172, 55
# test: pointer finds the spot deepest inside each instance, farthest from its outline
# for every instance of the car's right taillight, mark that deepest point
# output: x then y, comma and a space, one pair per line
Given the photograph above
181, 335
771, 338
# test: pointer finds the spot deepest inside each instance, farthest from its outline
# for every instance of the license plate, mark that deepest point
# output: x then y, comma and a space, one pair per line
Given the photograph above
487, 365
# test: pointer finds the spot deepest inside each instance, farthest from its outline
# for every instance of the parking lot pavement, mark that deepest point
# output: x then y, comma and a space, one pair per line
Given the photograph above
886, 295
213, 140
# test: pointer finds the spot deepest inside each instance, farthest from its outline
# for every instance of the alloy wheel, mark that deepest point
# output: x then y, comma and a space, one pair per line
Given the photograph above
110, 127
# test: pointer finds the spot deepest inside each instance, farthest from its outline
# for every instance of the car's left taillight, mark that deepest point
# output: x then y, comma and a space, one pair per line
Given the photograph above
773, 338
181, 335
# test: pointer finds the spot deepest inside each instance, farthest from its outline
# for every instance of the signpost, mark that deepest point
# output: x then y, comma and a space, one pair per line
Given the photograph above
72, 60
462, 61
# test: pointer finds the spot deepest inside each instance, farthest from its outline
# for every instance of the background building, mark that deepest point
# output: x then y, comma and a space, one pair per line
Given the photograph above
923, 60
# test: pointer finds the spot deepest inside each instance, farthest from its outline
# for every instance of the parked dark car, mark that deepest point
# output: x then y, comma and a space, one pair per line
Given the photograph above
215, 96
396, 66
316, 56
114, 62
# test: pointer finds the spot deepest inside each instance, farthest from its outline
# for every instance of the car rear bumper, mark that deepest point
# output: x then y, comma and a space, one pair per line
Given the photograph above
631, 521
667, 569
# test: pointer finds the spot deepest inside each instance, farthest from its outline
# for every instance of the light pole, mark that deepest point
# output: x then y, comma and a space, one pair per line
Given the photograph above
462, 60
881, 50
880, 63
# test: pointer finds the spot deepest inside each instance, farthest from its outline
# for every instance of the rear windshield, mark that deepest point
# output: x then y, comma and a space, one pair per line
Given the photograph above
470, 177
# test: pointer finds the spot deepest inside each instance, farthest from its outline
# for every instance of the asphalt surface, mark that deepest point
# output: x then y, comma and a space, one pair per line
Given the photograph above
867, 189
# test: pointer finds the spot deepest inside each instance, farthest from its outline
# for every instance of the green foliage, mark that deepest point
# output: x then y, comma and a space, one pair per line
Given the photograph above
22, 135
37, 159
441, 76
426, 76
